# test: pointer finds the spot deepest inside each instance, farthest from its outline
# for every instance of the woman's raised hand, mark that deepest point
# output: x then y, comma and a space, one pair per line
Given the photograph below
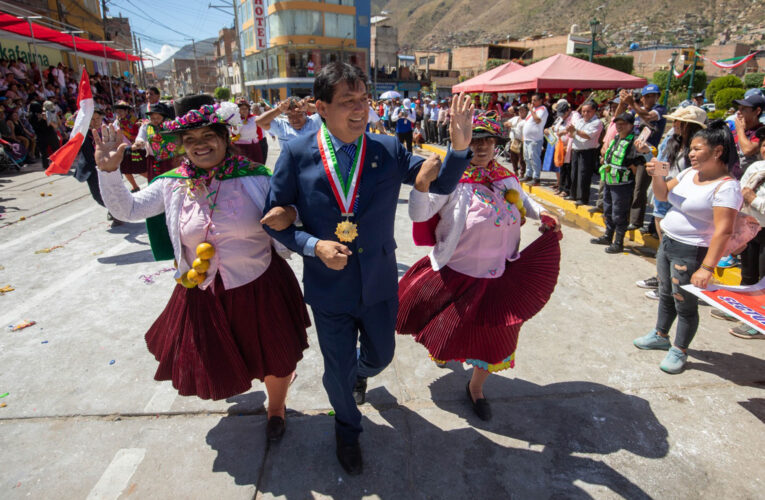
110, 148
461, 126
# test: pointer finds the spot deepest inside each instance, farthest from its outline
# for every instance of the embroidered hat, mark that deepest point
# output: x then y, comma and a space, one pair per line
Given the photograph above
488, 125
200, 110
122, 105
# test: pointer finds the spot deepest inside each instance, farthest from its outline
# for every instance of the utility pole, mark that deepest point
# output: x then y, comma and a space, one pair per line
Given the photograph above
143, 66
696, 47
669, 78
196, 67
240, 53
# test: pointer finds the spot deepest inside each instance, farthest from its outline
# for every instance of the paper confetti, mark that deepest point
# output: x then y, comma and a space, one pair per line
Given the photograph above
61, 245
6, 289
21, 325
149, 278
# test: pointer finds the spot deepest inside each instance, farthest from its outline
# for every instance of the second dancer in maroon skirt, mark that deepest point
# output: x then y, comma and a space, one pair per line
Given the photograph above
468, 299
237, 313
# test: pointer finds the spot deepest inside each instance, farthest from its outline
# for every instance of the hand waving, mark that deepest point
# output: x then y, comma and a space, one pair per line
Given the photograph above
461, 126
110, 147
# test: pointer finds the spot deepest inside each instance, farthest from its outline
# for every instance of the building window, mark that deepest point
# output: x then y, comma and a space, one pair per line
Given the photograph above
339, 25
248, 38
340, 2
295, 22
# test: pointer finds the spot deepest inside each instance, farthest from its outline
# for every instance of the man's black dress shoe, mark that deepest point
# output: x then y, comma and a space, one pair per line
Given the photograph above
480, 406
349, 456
275, 429
360, 390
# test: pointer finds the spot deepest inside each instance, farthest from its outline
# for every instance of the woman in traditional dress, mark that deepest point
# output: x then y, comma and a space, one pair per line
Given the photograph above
128, 124
237, 312
250, 136
467, 300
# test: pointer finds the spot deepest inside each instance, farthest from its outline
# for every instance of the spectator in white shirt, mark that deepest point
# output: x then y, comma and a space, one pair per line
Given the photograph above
585, 133
443, 122
297, 124
533, 135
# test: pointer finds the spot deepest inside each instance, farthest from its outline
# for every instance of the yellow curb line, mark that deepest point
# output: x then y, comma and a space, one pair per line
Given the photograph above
593, 223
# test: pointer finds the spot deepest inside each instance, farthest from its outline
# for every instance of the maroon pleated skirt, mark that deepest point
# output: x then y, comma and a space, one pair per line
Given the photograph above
252, 151
458, 317
213, 345
157, 168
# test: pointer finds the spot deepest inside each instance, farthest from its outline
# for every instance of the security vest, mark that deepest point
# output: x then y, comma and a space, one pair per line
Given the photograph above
613, 170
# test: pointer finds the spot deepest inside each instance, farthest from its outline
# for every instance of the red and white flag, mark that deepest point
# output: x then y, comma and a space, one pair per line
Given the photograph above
61, 161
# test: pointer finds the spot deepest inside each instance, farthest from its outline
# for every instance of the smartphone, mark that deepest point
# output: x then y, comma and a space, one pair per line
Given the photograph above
644, 135
662, 168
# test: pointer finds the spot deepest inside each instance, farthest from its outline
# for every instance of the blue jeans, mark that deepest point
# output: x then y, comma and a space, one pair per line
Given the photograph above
675, 264
532, 153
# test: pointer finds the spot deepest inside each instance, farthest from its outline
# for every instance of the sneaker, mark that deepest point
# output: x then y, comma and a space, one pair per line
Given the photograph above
718, 314
596, 210
674, 361
632, 227
652, 282
652, 294
744, 331
652, 340
728, 261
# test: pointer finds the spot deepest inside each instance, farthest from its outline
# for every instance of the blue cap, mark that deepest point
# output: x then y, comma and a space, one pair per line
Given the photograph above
651, 88
749, 93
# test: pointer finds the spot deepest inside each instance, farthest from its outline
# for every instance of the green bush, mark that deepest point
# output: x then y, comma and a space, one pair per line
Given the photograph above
624, 64
222, 93
493, 63
724, 82
717, 114
724, 98
754, 80
680, 85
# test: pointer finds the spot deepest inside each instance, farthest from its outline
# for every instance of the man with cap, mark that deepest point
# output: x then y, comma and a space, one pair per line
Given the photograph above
297, 123
620, 163
698, 99
649, 112
345, 186
746, 123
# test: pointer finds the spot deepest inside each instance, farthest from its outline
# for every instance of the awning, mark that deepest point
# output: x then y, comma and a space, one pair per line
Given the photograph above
12, 25
562, 73
478, 83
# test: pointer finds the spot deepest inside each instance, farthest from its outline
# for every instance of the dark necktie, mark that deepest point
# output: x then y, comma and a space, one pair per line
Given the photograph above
349, 154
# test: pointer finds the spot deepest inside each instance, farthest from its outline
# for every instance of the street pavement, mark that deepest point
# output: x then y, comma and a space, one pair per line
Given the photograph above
583, 415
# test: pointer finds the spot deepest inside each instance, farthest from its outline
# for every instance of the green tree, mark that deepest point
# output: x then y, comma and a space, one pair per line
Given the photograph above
222, 93
754, 80
624, 64
724, 98
680, 85
724, 82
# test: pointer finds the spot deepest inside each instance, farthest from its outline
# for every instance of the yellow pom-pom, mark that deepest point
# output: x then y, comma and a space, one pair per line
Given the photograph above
522, 210
186, 282
201, 265
205, 251
195, 277
512, 196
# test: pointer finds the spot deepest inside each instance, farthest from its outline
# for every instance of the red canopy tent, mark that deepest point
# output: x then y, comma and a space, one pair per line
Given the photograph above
49, 37
562, 73
477, 83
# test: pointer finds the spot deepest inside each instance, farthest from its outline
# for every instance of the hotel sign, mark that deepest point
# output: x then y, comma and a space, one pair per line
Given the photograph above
259, 15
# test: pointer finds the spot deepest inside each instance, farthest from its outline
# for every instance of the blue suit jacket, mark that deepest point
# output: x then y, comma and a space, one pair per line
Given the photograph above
371, 275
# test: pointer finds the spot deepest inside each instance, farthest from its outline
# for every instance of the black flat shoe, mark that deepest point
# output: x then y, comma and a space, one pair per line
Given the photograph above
349, 456
275, 429
360, 390
480, 406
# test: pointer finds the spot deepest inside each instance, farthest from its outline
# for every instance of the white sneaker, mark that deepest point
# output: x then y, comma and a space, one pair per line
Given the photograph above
652, 294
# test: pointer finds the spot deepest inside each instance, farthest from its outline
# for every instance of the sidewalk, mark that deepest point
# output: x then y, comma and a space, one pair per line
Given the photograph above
644, 244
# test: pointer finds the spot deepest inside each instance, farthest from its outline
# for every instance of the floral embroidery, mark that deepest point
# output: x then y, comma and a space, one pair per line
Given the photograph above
482, 175
197, 178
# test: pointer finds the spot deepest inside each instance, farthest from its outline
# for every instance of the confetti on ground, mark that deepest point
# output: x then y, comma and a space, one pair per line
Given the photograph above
44, 342
331, 413
6, 289
3, 395
111, 362
149, 278
21, 325
3, 405
22, 218
2, 268
61, 245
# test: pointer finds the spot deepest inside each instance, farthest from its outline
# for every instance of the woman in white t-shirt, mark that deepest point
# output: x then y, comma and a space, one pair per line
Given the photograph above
705, 200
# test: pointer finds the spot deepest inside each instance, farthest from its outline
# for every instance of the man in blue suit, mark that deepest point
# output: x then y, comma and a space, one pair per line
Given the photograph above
345, 185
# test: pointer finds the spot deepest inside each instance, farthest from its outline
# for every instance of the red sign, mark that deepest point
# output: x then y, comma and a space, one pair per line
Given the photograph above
259, 15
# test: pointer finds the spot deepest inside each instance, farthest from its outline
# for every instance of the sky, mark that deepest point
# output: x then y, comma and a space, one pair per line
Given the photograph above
164, 26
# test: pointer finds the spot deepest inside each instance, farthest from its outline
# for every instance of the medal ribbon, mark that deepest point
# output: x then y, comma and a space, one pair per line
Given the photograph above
345, 192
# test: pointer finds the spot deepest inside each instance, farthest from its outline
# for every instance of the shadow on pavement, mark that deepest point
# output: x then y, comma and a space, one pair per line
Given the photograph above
531, 449
741, 369
755, 406
128, 258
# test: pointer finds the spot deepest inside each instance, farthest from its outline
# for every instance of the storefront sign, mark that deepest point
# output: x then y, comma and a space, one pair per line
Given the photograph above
16, 49
259, 16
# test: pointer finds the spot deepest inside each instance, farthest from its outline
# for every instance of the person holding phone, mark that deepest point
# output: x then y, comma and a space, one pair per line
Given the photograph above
705, 200
620, 163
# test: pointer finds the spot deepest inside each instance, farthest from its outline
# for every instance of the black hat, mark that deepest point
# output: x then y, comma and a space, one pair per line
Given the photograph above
753, 101
122, 105
625, 117
35, 107
160, 108
192, 102
184, 106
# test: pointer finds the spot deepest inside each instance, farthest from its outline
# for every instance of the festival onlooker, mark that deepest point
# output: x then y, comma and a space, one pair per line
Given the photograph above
533, 136
585, 133
746, 123
515, 125
432, 121
753, 257
404, 117
297, 124
705, 201
620, 163
443, 123
566, 116
649, 112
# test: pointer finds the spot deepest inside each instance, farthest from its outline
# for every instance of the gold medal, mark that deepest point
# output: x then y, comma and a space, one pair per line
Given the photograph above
346, 231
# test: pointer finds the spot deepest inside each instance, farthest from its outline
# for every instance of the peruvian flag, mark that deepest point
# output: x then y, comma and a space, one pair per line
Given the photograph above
61, 161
